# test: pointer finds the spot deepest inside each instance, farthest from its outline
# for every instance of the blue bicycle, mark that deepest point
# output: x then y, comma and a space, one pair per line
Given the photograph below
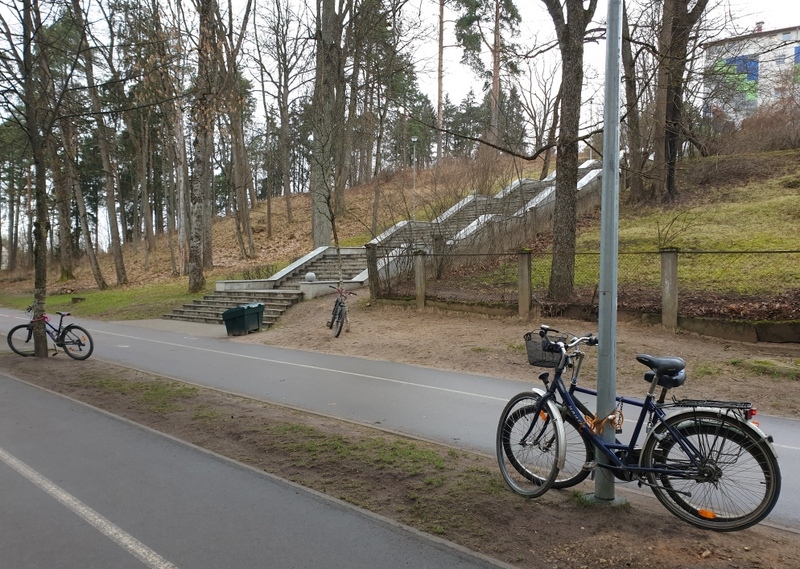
706, 461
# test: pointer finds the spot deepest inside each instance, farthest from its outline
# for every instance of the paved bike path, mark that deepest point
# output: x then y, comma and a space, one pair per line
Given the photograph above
84, 489
448, 407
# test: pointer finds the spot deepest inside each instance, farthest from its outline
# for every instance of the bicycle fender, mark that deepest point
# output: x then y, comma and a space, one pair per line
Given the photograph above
558, 421
712, 413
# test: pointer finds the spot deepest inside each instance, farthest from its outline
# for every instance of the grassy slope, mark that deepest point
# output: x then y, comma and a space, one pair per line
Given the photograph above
742, 202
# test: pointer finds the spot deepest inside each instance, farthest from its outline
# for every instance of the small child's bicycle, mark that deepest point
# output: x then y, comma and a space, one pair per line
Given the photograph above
339, 315
74, 340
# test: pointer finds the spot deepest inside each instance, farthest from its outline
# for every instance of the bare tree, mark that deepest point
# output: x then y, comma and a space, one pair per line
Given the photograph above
288, 48
105, 140
327, 101
203, 108
571, 20
678, 20
638, 147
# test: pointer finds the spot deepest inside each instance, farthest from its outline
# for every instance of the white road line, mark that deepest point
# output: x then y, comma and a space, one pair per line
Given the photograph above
306, 366
136, 548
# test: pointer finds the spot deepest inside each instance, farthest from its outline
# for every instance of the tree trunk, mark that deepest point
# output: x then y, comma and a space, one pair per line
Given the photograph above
240, 174
104, 138
203, 119
494, 134
328, 38
62, 187
70, 141
570, 31
33, 118
637, 154
677, 23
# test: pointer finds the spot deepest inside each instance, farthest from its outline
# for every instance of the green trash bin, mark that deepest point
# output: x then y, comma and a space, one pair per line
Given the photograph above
253, 315
243, 319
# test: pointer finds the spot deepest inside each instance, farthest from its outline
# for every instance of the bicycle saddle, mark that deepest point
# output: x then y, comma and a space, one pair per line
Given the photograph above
670, 370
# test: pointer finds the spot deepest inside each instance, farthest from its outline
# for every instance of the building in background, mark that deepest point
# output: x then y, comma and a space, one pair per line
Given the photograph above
749, 72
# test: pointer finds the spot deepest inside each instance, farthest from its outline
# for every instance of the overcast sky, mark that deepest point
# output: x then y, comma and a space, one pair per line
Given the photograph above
458, 80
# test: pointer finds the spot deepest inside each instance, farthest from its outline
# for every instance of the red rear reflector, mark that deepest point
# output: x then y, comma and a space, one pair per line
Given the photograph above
750, 413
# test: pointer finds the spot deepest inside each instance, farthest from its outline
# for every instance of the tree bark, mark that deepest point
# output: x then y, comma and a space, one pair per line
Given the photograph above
637, 153
677, 23
570, 31
104, 138
203, 119
328, 39
33, 118
70, 141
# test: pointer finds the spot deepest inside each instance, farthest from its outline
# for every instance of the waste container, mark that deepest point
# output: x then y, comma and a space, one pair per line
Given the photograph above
243, 319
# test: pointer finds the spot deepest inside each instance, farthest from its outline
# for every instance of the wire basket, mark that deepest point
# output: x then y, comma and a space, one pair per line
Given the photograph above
537, 356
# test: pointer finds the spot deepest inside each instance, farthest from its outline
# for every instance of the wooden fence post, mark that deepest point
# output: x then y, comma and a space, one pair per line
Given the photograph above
524, 277
419, 277
669, 288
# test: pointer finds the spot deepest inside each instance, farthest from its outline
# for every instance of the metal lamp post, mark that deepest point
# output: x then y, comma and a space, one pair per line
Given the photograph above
414, 178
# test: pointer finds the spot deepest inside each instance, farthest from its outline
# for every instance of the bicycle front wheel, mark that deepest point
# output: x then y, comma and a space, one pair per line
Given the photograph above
530, 444
731, 483
578, 455
20, 340
340, 317
76, 342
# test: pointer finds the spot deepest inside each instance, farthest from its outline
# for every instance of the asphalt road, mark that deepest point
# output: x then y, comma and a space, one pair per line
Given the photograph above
80, 488
452, 408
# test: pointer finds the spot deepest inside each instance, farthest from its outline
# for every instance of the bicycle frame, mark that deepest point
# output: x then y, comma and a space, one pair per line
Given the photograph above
650, 411
52, 331
339, 306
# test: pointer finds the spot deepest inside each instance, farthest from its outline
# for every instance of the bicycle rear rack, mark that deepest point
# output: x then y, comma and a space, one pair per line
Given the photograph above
738, 405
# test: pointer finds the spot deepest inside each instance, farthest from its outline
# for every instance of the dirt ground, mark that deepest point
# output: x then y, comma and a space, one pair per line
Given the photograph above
453, 494
494, 346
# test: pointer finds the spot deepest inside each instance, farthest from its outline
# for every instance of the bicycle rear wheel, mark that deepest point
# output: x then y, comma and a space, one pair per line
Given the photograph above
20, 340
340, 317
735, 483
530, 444
76, 342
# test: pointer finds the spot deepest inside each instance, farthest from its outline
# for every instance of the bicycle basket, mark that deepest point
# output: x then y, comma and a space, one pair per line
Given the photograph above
537, 356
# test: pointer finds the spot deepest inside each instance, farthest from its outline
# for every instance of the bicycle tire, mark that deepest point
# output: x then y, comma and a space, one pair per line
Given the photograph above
340, 318
20, 340
335, 311
530, 451
737, 484
578, 454
76, 342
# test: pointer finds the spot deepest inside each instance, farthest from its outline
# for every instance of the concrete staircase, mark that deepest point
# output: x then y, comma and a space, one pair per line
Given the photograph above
279, 292
462, 226
325, 267
209, 310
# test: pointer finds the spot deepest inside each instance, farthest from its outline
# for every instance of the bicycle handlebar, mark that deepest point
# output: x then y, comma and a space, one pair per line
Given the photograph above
342, 290
589, 339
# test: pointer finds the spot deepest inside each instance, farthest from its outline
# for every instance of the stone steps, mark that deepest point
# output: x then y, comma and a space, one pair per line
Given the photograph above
209, 309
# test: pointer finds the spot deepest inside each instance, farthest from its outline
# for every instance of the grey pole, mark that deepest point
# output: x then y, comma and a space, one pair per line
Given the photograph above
609, 231
414, 181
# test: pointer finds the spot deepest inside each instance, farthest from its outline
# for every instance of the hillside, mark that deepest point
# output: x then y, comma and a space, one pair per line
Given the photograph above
729, 203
